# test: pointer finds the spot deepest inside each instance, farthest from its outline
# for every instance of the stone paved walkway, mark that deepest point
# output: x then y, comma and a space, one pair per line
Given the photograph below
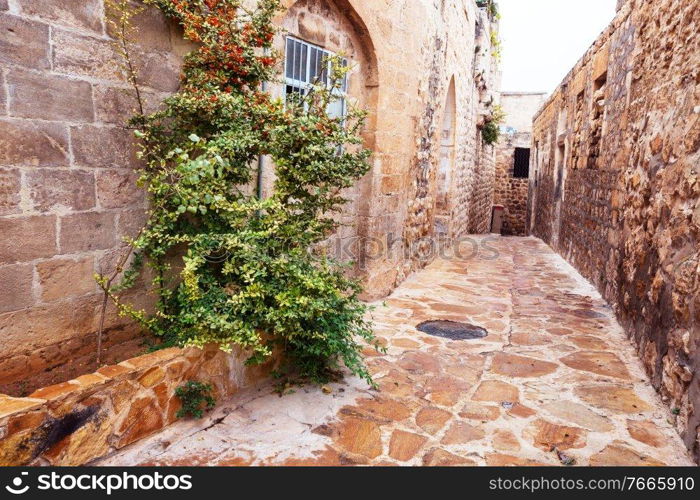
555, 382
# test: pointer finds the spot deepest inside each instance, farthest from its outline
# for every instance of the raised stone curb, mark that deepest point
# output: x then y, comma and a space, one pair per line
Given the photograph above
74, 422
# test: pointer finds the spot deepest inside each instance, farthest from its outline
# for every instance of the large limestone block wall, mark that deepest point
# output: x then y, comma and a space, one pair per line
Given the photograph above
67, 192
509, 191
67, 182
616, 164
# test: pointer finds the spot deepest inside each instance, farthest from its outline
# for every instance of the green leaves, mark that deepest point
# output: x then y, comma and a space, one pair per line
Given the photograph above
491, 130
196, 398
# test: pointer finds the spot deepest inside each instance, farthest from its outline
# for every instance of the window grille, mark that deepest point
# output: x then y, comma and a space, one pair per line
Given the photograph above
306, 65
521, 167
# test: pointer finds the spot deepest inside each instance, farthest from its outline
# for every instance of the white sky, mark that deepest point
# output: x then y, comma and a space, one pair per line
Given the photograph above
543, 39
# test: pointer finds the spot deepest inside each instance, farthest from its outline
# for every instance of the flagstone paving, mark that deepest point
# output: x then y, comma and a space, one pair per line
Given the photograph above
555, 382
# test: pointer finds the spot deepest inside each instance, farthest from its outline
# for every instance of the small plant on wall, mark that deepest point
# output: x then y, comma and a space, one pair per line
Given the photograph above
490, 132
229, 268
491, 6
196, 398
496, 45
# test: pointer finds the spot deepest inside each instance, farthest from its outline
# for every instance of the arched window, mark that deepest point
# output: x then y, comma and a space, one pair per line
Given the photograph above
447, 149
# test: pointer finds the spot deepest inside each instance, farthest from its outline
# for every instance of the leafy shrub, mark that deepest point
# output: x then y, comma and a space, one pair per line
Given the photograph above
490, 132
230, 268
196, 398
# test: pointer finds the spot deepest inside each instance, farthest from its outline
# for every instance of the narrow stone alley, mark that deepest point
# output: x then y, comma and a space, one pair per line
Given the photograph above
555, 382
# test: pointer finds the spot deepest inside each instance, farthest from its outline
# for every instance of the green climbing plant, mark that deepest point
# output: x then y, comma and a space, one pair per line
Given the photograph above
229, 268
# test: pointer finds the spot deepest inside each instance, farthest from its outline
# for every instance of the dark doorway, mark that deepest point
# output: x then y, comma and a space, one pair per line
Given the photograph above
521, 167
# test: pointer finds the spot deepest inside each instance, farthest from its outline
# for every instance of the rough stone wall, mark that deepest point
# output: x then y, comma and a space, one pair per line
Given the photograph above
67, 192
509, 191
618, 192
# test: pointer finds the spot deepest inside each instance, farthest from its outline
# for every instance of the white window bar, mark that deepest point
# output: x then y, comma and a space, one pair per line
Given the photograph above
304, 67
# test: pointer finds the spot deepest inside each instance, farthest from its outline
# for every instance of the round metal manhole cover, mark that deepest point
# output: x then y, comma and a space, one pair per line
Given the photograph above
452, 330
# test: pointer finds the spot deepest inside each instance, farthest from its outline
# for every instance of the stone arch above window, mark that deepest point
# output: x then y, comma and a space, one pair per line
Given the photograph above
336, 26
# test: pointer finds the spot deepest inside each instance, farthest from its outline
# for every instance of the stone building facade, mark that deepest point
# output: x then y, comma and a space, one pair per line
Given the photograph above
511, 186
424, 70
615, 187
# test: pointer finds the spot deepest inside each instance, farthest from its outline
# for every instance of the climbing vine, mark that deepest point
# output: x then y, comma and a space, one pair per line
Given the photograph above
228, 267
